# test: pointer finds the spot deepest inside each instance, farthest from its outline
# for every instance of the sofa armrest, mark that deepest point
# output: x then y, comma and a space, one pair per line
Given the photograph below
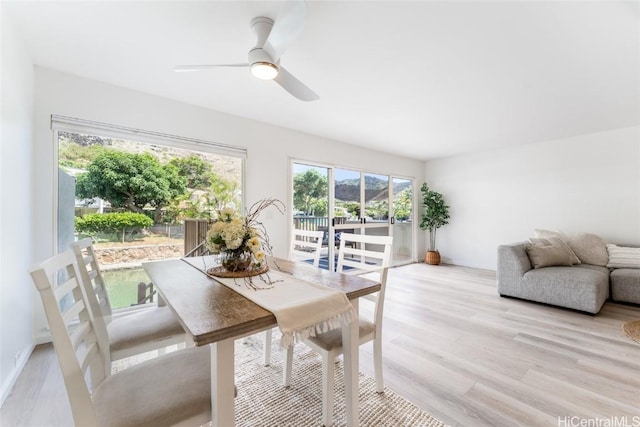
513, 263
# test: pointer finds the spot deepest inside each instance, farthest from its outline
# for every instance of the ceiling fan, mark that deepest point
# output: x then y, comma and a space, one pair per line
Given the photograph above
274, 37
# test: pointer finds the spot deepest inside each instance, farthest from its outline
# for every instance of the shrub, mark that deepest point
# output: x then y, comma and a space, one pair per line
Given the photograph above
117, 223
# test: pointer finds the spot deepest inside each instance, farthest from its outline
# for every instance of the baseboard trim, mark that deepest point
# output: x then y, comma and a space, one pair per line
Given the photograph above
15, 373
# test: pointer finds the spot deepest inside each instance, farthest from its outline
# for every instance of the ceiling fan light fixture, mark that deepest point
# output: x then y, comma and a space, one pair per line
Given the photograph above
264, 70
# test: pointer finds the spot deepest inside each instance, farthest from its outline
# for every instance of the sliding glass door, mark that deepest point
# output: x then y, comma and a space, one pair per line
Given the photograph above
357, 202
402, 220
311, 203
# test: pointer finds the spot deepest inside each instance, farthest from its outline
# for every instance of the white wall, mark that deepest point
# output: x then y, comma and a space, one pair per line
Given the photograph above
269, 147
16, 204
589, 183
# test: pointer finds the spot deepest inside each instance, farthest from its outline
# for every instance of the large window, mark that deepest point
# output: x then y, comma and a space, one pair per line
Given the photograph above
134, 198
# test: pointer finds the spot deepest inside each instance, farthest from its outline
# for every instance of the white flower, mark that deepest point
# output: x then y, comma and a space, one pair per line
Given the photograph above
227, 214
253, 243
259, 255
217, 227
234, 244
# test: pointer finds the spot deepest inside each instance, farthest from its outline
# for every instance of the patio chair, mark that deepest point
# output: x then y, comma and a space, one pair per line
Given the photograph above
363, 254
167, 390
305, 245
134, 331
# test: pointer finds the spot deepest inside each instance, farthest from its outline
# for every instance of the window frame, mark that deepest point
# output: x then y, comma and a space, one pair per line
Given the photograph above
81, 126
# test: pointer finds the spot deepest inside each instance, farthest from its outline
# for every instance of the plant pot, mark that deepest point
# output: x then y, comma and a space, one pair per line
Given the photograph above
432, 258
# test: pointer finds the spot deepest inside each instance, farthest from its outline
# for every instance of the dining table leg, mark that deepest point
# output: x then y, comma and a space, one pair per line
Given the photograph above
222, 383
350, 345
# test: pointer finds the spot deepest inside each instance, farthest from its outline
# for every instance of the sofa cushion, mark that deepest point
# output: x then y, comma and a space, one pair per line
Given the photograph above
623, 257
556, 241
603, 270
625, 285
590, 248
583, 289
547, 253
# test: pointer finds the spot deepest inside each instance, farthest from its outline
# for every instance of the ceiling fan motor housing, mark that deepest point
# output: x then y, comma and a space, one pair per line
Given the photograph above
258, 55
259, 58
262, 26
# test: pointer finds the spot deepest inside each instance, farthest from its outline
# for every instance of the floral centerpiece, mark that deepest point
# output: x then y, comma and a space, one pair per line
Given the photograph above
242, 242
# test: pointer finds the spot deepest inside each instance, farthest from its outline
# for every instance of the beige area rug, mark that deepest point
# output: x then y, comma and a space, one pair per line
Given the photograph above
632, 330
263, 401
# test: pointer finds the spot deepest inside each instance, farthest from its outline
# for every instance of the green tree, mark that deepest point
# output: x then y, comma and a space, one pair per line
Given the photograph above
377, 209
402, 203
352, 207
131, 181
320, 207
308, 188
202, 204
199, 173
223, 193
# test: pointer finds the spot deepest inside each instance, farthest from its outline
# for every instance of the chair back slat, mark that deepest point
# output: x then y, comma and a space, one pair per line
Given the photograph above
306, 244
75, 342
64, 288
363, 262
91, 274
79, 334
73, 312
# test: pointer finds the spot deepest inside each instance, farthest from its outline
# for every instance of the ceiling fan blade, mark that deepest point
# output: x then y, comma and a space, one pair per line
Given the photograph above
294, 86
286, 28
183, 68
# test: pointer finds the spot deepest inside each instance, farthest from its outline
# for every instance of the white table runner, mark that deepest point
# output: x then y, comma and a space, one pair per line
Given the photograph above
302, 309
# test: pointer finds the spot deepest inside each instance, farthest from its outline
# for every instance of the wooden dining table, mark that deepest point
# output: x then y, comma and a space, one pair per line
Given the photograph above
215, 315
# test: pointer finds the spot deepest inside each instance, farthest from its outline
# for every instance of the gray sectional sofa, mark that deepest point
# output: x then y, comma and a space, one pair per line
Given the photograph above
625, 285
583, 287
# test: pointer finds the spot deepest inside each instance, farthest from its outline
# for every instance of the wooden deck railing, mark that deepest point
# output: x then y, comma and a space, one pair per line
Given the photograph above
310, 222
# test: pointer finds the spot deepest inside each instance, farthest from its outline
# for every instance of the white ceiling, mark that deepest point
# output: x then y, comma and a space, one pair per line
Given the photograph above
421, 79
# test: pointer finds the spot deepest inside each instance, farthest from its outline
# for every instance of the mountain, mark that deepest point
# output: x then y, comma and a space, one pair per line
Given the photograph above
374, 189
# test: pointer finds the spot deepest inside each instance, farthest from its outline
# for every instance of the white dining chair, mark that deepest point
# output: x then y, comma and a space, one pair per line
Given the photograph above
134, 331
358, 254
173, 389
305, 245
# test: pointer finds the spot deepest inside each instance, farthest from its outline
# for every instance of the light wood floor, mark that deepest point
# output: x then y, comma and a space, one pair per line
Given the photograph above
456, 349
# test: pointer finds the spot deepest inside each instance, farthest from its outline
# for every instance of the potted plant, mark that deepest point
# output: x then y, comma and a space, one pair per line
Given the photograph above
436, 214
